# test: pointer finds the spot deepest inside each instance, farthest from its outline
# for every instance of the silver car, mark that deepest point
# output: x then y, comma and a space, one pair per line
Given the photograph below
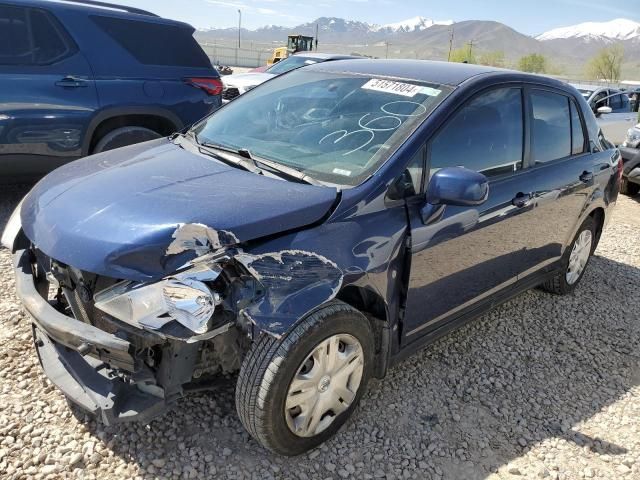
612, 108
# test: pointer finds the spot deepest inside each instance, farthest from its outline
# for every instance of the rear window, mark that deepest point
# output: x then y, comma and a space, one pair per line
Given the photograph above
30, 36
551, 126
155, 44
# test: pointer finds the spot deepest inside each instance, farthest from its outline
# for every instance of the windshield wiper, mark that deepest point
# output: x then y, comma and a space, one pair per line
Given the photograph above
285, 171
253, 164
247, 163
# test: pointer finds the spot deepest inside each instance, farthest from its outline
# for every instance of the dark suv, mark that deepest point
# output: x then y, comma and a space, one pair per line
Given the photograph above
83, 77
310, 234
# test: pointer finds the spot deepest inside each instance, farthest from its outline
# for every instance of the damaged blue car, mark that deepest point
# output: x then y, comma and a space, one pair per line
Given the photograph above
310, 234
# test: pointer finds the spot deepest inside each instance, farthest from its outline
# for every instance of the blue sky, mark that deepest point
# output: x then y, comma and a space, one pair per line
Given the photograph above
529, 17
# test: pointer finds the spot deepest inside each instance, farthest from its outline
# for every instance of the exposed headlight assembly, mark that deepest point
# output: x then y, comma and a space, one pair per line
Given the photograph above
183, 297
633, 138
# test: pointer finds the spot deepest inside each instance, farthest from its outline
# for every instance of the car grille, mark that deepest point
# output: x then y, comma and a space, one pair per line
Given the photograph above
230, 93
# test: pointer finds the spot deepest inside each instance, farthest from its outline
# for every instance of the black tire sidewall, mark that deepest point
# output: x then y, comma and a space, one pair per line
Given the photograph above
343, 322
123, 136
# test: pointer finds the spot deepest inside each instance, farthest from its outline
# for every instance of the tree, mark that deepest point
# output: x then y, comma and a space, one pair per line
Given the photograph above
461, 55
607, 64
492, 59
533, 63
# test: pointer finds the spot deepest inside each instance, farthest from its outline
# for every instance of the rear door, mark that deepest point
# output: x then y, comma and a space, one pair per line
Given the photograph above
48, 94
466, 255
563, 172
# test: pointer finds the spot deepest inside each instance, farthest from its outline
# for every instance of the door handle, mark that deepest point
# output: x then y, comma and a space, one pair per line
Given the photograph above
71, 81
586, 177
522, 200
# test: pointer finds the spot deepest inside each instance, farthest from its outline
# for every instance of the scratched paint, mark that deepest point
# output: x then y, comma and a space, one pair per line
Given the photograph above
200, 239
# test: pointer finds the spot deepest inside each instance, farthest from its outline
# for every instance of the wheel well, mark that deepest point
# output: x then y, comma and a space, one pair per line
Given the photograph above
372, 305
598, 218
158, 124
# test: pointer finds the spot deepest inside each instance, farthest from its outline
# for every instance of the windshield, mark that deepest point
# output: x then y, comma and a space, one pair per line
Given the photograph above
334, 127
291, 63
585, 93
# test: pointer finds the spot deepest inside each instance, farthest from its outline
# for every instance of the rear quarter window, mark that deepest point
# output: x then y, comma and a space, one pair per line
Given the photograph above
154, 43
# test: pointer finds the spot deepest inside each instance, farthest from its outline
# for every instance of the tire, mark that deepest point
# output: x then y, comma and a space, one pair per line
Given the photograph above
121, 137
563, 283
628, 188
271, 365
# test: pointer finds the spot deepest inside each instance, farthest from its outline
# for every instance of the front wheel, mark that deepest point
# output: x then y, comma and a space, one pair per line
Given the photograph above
574, 261
296, 392
121, 137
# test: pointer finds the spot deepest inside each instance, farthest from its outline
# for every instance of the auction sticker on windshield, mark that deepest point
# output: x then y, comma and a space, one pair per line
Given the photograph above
389, 86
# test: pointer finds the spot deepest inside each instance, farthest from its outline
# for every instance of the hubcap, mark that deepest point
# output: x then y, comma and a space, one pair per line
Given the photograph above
579, 256
325, 385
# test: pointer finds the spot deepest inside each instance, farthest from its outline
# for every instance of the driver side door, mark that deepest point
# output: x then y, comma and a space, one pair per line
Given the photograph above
464, 256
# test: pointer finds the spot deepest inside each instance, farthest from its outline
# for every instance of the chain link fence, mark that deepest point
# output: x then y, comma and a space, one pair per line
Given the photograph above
237, 57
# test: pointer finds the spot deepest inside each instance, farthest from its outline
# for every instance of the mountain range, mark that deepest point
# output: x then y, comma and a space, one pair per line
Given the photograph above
569, 48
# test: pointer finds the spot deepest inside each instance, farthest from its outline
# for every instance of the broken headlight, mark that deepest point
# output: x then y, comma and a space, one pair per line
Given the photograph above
632, 139
184, 297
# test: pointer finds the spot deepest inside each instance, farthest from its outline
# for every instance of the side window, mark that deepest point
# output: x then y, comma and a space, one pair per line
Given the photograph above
600, 100
15, 44
486, 135
415, 169
30, 36
616, 102
551, 132
48, 43
577, 131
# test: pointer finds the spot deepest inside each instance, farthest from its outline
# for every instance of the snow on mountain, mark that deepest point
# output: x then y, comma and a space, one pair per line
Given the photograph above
618, 29
412, 25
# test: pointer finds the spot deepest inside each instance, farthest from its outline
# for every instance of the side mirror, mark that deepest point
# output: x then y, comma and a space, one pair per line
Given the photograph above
457, 186
604, 110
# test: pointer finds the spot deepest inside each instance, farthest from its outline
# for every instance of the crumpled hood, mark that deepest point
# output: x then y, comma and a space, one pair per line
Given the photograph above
118, 213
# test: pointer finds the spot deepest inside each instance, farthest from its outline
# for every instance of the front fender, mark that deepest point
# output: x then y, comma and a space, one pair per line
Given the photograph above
302, 271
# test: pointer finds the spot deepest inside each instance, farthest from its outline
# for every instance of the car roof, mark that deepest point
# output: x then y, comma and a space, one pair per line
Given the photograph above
586, 86
326, 56
444, 73
97, 7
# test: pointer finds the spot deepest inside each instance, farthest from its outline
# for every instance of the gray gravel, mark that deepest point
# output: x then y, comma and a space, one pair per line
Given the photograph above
543, 387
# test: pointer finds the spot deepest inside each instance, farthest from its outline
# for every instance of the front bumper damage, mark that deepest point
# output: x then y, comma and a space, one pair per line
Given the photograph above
105, 373
133, 370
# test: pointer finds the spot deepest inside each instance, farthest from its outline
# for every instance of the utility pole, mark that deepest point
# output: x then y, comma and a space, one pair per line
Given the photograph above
387, 44
470, 44
316, 37
239, 25
450, 44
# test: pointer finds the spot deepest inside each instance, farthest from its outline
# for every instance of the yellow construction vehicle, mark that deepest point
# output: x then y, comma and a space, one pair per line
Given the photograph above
295, 44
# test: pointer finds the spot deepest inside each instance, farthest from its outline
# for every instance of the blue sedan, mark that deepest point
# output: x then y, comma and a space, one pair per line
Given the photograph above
309, 234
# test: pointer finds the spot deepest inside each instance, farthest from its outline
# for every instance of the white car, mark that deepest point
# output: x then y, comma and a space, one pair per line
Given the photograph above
236, 85
612, 108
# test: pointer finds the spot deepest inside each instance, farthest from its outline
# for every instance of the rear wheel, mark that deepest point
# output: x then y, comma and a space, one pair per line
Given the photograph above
123, 136
575, 260
296, 392
628, 188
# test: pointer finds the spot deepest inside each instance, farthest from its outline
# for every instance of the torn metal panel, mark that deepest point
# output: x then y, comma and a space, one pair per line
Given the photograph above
295, 282
200, 239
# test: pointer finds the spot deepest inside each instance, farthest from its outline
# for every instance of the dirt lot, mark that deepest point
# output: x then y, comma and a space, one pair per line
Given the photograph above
543, 387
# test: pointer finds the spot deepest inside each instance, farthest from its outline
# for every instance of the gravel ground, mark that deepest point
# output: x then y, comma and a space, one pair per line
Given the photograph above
542, 387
